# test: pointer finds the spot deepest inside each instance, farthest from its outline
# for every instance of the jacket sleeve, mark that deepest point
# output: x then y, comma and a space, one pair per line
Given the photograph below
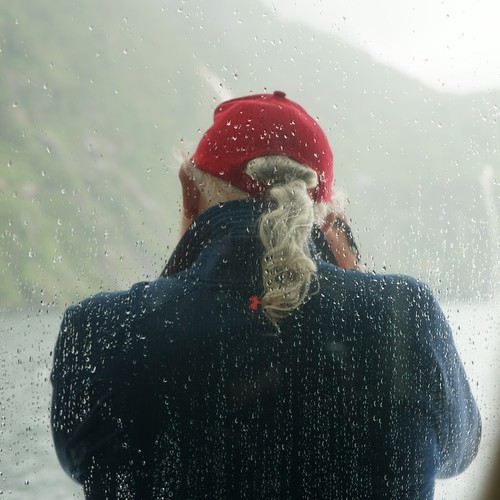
98, 385
457, 414
69, 388
83, 418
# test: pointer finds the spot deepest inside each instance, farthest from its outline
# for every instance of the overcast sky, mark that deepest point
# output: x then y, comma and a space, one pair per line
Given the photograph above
453, 45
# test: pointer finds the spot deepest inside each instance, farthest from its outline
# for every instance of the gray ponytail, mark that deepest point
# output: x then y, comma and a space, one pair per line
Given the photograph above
287, 266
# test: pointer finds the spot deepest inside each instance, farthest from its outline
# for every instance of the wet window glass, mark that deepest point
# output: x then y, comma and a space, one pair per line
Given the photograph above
100, 104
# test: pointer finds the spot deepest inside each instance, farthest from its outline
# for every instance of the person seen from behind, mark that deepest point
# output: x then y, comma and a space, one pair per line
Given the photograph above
256, 366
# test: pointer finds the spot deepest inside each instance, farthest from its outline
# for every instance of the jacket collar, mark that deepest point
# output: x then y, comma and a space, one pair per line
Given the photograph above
233, 219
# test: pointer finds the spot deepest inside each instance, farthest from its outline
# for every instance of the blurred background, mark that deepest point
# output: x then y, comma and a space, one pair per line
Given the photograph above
97, 98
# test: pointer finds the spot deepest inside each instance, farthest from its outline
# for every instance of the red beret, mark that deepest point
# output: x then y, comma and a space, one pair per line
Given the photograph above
261, 125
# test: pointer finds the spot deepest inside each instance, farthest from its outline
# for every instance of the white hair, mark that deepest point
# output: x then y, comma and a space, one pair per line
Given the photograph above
287, 266
337, 206
214, 189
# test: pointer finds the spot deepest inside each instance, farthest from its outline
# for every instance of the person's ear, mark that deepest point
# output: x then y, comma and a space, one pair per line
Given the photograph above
191, 196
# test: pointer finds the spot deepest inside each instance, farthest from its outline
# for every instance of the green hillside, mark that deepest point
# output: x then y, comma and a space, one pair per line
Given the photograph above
87, 130
95, 97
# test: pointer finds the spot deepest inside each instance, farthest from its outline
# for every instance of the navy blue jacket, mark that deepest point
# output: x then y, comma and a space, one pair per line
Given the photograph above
180, 387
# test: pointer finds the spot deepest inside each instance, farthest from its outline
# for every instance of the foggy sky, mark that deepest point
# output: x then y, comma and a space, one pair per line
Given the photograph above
452, 45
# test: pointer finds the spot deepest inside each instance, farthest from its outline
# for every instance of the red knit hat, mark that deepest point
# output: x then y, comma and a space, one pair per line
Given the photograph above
261, 125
